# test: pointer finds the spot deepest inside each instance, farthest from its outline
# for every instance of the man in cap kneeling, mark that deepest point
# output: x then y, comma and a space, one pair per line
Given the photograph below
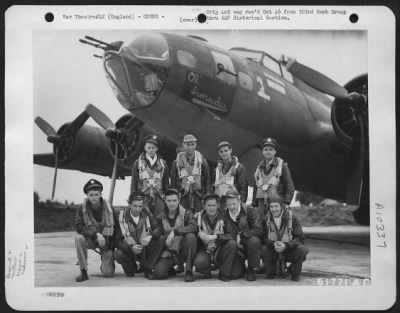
214, 249
283, 239
138, 237
95, 228
190, 174
243, 225
179, 229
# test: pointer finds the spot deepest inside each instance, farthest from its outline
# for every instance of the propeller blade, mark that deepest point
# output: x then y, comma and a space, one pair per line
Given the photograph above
101, 119
133, 123
45, 127
55, 174
317, 80
76, 124
355, 180
114, 175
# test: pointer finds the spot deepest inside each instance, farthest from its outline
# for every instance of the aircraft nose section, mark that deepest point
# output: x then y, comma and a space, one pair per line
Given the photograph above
139, 70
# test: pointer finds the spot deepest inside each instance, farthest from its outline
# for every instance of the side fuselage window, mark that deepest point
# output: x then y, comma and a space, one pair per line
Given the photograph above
187, 59
228, 74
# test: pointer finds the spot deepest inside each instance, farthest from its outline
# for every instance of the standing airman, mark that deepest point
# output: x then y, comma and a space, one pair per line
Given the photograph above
179, 229
283, 240
95, 229
190, 175
271, 176
229, 174
150, 175
138, 237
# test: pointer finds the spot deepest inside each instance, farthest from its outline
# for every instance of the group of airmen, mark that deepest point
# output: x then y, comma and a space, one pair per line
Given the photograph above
192, 220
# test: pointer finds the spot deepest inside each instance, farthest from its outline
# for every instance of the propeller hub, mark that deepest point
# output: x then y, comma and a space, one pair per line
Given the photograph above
113, 133
357, 101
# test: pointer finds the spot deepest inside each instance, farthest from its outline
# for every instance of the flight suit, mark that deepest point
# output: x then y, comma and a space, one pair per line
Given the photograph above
248, 227
270, 174
216, 252
152, 180
90, 221
129, 233
295, 251
230, 175
184, 244
191, 176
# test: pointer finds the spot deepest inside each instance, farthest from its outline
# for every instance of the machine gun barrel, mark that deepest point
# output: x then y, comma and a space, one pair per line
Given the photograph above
109, 46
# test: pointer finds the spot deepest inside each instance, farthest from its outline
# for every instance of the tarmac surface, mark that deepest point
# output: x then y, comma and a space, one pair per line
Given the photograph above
340, 252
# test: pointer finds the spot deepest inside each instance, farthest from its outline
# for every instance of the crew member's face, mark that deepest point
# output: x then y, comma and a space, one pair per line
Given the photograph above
233, 205
172, 202
211, 207
136, 207
269, 152
225, 153
94, 196
275, 209
151, 149
190, 147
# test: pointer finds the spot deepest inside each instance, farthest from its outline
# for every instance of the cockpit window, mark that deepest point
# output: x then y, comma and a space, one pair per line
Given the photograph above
149, 46
272, 64
254, 56
185, 58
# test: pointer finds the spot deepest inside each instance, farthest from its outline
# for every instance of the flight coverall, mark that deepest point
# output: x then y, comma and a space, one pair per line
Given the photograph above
90, 221
128, 233
152, 180
230, 175
191, 176
184, 243
295, 251
275, 180
217, 252
248, 230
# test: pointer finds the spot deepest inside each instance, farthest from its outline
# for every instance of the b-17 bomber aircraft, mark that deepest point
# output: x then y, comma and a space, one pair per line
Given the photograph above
173, 84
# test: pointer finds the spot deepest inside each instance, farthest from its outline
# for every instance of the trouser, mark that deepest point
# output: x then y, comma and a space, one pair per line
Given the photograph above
226, 258
82, 245
296, 256
148, 257
157, 207
197, 203
252, 251
186, 253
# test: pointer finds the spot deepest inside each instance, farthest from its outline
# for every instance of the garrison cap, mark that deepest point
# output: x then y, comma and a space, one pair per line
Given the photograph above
189, 138
210, 196
92, 184
153, 139
136, 195
232, 194
269, 142
172, 191
224, 144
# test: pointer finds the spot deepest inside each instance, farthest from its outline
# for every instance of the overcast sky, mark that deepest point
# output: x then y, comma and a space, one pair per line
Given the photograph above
66, 77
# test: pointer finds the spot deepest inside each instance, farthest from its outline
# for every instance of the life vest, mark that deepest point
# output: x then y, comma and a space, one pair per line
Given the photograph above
129, 232
188, 174
285, 233
107, 218
267, 183
225, 182
150, 178
205, 227
179, 222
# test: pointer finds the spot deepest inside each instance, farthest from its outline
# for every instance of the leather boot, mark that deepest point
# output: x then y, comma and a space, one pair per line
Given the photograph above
251, 276
189, 276
82, 277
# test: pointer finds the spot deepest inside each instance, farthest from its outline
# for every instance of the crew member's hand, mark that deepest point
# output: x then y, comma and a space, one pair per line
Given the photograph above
101, 240
168, 241
238, 240
137, 249
166, 254
279, 246
146, 240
